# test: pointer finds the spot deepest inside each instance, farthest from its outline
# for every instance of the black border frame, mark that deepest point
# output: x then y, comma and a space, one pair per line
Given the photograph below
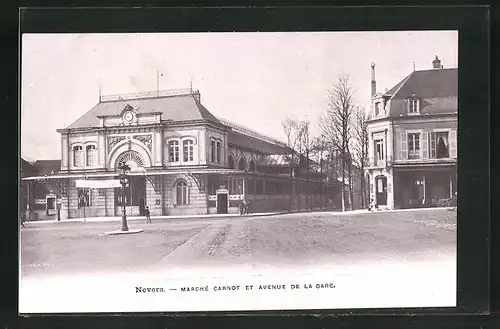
473, 170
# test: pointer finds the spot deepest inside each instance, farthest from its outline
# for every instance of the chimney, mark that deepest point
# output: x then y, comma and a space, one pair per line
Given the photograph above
374, 83
436, 64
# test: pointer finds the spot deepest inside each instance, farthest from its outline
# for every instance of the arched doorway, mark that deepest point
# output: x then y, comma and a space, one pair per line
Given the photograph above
381, 190
135, 193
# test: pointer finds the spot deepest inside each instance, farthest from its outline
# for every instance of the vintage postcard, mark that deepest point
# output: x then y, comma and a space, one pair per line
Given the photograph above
179, 172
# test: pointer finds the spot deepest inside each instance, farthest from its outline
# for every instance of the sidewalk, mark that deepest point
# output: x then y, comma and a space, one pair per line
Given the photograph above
143, 218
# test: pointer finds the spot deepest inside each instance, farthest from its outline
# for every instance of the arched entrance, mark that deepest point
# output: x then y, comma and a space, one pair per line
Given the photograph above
381, 190
135, 193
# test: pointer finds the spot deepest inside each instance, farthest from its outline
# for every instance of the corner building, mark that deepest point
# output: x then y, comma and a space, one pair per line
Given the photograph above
413, 139
184, 160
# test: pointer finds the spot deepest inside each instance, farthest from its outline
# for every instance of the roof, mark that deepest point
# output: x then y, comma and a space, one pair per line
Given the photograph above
429, 84
181, 107
250, 143
47, 167
437, 90
27, 169
274, 160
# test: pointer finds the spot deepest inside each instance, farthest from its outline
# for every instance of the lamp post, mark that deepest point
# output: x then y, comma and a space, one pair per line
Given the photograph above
123, 172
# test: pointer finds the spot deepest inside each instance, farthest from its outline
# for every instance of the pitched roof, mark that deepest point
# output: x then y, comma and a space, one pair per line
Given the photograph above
246, 142
47, 167
437, 89
428, 84
177, 108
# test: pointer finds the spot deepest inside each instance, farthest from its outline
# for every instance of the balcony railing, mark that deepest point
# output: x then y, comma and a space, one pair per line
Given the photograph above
148, 94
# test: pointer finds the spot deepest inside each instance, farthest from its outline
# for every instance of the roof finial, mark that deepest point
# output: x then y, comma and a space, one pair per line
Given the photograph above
100, 92
413, 66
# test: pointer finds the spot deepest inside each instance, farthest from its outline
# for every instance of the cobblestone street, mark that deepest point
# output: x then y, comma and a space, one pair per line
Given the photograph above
289, 239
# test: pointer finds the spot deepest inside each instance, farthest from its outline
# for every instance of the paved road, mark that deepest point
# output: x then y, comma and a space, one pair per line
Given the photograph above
281, 240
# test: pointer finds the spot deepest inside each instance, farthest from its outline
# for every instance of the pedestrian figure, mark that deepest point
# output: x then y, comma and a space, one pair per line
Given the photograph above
373, 204
241, 207
245, 207
148, 215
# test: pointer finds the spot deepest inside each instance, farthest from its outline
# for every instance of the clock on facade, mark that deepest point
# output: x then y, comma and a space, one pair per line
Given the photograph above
128, 117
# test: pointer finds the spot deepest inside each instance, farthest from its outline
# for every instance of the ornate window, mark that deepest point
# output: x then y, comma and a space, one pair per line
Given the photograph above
77, 156
91, 152
242, 164
181, 190
173, 151
188, 150
379, 149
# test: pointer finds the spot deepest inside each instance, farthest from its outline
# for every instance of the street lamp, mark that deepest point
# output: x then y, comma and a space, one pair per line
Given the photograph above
123, 172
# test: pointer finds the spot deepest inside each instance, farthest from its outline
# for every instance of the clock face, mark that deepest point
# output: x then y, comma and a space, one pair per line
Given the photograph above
128, 117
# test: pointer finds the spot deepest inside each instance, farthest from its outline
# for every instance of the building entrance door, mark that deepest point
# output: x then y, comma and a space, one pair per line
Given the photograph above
222, 201
381, 190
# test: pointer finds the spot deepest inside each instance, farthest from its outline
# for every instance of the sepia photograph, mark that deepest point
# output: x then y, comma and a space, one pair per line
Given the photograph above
198, 172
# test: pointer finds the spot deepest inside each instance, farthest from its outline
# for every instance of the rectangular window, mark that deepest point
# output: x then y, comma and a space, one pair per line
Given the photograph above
440, 145
413, 146
91, 155
379, 149
188, 150
212, 151
77, 156
173, 151
218, 147
413, 105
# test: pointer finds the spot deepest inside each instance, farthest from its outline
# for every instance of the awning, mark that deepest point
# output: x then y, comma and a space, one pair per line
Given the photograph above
221, 171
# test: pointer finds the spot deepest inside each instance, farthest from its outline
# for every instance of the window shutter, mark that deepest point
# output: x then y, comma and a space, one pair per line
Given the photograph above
433, 145
425, 145
404, 145
453, 144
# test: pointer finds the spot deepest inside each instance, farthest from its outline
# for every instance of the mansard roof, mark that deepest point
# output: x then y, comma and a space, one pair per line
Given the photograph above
437, 90
179, 106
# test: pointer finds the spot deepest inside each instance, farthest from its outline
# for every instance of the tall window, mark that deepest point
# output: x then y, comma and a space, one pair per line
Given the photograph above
379, 149
218, 151
413, 105
242, 164
188, 150
212, 151
91, 152
77, 156
173, 151
377, 108
413, 146
440, 145
182, 192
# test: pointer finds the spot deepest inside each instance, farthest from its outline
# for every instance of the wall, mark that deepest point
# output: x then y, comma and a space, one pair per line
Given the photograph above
426, 126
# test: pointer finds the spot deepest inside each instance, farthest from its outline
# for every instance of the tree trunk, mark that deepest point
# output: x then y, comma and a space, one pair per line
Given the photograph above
343, 181
351, 193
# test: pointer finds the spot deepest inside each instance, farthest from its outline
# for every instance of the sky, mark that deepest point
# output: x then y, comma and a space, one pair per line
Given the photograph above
253, 79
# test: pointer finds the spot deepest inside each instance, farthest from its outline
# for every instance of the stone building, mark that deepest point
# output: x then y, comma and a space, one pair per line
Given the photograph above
413, 139
184, 161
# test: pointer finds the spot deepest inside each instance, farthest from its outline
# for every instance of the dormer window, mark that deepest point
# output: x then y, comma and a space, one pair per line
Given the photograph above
413, 105
377, 108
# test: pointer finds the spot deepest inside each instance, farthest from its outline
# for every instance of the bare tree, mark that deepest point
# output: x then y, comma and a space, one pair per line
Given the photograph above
360, 148
306, 148
294, 131
335, 126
